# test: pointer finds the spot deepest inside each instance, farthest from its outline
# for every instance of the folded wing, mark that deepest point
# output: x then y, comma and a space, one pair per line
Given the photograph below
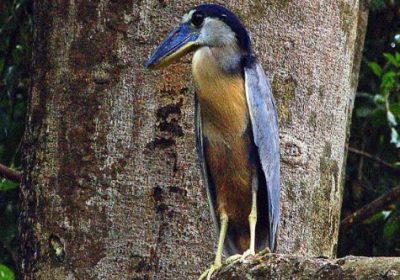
264, 122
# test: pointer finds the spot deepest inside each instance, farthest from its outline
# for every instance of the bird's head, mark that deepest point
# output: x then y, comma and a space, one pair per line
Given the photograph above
206, 25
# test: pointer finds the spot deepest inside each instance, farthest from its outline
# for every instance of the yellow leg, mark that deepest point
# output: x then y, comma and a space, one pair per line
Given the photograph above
253, 222
221, 240
218, 257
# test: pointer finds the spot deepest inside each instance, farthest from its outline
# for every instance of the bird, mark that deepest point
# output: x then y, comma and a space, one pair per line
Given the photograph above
237, 128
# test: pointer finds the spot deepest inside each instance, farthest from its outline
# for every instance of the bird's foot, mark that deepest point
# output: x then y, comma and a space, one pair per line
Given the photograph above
233, 258
247, 253
265, 251
209, 272
242, 257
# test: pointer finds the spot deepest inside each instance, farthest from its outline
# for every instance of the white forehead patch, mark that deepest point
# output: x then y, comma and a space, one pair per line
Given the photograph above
187, 17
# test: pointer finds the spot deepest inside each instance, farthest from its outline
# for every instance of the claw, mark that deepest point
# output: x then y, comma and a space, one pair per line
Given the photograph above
265, 251
233, 258
247, 253
242, 257
209, 272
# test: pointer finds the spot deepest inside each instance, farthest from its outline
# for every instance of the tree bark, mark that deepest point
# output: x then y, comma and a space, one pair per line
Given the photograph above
111, 187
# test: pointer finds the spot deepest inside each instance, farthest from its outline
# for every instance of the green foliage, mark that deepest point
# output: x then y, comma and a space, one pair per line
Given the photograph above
15, 44
375, 130
392, 225
387, 100
7, 185
6, 273
15, 49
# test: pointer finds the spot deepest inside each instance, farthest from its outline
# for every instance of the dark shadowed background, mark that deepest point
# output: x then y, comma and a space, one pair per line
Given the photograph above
373, 165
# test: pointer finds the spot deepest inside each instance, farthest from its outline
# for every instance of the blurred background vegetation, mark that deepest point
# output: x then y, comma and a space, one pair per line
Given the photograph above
15, 52
374, 131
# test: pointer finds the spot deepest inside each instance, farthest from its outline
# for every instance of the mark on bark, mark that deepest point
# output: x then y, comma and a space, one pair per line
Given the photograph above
346, 13
284, 89
326, 192
157, 193
160, 143
168, 118
327, 149
164, 213
181, 191
312, 120
57, 248
294, 151
258, 7
139, 263
329, 174
167, 126
162, 3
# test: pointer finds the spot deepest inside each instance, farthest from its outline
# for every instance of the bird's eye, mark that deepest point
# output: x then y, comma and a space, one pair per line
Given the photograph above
197, 19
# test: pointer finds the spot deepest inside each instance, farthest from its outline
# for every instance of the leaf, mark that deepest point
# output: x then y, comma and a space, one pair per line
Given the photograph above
394, 137
379, 99
392, 226
397, 55
391, 118
378, 118
377, 5
363, 112
395, 109
376, 68
392, 59
388, 81
6, 273
380, 216
7, 185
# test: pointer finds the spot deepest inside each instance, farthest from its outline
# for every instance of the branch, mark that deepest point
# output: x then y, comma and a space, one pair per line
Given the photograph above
370, 209
10, 174
278, 266
374, 158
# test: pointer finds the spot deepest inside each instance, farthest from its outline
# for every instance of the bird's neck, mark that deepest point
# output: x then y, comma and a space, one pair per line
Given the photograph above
221, 91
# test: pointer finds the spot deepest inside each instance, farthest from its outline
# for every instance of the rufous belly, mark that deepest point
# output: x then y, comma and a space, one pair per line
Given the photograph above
225, 121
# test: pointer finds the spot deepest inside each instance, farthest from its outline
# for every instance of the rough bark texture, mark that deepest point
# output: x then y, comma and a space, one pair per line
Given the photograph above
112, 189
306, 268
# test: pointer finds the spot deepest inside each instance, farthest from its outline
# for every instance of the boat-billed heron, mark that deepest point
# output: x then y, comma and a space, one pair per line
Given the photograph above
237, 128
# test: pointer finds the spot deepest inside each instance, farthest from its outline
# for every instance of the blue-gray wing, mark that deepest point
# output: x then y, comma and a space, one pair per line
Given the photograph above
264, 122
203, 164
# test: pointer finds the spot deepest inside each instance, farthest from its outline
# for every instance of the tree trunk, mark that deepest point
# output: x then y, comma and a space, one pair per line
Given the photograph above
111, 188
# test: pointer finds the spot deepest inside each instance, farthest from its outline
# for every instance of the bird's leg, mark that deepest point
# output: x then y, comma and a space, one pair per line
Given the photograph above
218, 258
253, 218
221, 240
253, 222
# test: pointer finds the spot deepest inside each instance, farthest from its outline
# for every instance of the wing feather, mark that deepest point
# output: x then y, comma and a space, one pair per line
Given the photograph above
264, 121
203, 165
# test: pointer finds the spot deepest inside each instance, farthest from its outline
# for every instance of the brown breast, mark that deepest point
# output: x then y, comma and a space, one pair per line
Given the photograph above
222, 98
224, 121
